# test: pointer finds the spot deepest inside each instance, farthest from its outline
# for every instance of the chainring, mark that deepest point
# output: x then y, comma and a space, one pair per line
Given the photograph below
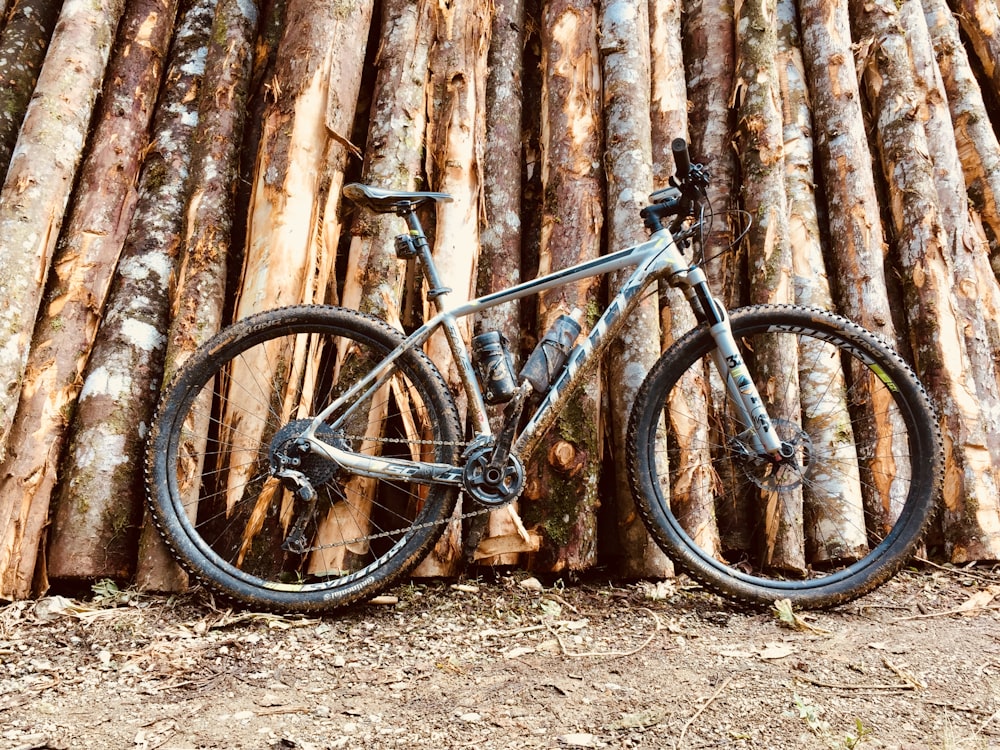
492, 488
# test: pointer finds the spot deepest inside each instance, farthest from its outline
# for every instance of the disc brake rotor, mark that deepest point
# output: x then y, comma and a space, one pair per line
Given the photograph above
778, 477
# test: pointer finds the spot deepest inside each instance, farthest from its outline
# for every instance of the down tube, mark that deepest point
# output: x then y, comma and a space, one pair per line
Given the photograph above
583, 359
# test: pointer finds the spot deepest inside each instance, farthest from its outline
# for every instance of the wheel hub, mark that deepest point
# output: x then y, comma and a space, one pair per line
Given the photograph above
775, 476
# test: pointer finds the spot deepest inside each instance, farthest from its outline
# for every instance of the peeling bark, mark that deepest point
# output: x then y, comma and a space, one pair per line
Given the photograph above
980, 20
97, 502
971, 521
375, 276
974, 291
23, 43
978, 148
834, 500
709, 38
293, 226
500, 237
560, 500
197, 304
32, 206
624, 34
82, 269
455, 140
760, 143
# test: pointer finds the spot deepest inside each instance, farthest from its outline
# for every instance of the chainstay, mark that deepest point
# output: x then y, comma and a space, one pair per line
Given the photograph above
415, 527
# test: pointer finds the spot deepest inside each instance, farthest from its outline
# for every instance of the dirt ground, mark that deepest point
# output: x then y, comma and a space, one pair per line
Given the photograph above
509, 663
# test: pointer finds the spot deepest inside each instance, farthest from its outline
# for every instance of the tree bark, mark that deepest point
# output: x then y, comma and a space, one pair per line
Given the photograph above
293, 226
198, 302
34, 195
624, 35
500, 237
98, 502
760, 143
974, 290
375, 276
835, 500
23, 43
852, 205
709, 37
971, 519
560, 500
978, 148
81, 273
980, 20
455, 138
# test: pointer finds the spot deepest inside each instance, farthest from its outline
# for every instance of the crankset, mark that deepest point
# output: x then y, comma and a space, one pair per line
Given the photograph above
490, 485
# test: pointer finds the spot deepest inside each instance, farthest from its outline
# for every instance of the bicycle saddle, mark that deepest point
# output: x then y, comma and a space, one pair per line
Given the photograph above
388, 201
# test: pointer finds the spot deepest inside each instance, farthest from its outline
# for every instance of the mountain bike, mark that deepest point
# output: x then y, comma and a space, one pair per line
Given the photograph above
306, 458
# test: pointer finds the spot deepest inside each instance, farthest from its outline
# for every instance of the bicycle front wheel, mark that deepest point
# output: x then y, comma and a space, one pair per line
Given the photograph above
830, 524
229, 415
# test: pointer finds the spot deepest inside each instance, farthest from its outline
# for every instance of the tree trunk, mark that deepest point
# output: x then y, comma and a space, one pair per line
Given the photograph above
34, 195
560, 500
980, 20
81, 272
709, 35
978, 148
971, 519
835, 500
375, 276
455, 139
852, 206
198, 303
98, 506
974, 290
500, 238
293, 225
760, 143
668, 120
624, 35
32, 204
23, 43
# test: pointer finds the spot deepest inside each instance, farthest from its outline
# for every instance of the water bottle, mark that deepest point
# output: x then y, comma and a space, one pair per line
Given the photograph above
545, 363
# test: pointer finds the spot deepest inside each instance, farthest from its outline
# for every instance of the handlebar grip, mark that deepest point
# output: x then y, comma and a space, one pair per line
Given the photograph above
682, 159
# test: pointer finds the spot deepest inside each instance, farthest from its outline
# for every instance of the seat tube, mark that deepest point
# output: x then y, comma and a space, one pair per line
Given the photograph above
463, 362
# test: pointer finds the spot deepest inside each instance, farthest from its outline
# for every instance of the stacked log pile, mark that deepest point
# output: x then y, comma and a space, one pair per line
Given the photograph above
172, 165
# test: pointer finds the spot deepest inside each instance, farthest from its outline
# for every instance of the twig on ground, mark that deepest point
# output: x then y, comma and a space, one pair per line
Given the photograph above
957, 571
578, 654
700, 711
856, 686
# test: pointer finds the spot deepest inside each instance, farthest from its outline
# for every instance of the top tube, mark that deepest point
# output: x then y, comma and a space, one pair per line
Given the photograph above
630, 256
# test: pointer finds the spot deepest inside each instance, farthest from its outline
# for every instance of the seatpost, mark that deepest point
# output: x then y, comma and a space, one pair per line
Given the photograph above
434, 288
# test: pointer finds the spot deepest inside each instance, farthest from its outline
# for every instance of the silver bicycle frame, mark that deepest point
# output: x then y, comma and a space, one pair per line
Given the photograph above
659, 257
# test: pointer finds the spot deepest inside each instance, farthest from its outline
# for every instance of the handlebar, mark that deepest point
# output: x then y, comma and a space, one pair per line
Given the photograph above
682, 159
681, 199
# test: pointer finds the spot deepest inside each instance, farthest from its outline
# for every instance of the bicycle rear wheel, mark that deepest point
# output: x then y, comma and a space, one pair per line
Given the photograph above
232, 409
830, 525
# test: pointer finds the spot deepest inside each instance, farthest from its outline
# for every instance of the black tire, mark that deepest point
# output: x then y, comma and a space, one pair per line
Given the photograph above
864, 440
226, 411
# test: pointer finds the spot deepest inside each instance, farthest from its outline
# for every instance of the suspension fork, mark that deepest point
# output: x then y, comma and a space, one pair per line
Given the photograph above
742, 391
